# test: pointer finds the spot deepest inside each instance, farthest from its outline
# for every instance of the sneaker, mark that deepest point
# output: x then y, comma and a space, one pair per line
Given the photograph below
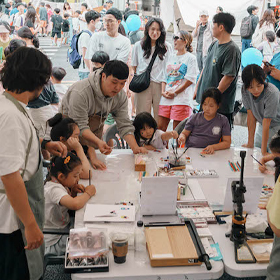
53, 44
39, 35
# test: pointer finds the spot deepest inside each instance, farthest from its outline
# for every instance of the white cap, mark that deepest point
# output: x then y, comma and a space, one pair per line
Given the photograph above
203, 13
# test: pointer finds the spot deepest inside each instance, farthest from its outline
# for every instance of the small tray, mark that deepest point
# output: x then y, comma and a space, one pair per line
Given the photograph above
201, 173
261, 249
86, 268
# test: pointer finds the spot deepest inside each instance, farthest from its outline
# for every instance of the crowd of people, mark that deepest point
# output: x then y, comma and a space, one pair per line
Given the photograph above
37, 110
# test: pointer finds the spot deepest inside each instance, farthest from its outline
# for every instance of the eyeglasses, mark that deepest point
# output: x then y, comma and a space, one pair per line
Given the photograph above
108, 21
175, 38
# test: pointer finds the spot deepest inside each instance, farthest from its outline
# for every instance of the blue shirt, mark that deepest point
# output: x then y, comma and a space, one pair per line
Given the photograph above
48, 96
276, 62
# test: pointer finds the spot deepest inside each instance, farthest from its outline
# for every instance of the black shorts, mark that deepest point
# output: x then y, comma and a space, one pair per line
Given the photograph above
13, 263
57, 33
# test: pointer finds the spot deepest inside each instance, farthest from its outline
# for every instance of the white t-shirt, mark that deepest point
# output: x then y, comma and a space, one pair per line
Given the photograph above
180, 68
75, 22
19, 20
83, 24
116, 47
156, 141
60, 89
157, 73
83, 42
14, 138
56, 215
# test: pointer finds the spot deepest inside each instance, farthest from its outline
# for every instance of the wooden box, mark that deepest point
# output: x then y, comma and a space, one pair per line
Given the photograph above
171, 246
140, 163
261, 249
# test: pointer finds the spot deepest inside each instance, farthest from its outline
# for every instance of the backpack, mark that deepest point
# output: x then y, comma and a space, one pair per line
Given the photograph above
246, 27
73, 54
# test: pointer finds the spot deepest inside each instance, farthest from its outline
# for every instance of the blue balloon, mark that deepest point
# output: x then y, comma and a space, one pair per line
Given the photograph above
125, 27
251, 56
133, 22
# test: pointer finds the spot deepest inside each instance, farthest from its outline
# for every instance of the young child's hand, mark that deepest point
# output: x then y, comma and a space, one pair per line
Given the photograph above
262, 168
79, 188
98, 164
91, 190
73, 143
174, 134
182, 139
208, 150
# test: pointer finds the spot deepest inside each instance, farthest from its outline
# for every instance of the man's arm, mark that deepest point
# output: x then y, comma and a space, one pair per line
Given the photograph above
102, 146
196, 87
130, 139
87, 61
225, 83
17, 195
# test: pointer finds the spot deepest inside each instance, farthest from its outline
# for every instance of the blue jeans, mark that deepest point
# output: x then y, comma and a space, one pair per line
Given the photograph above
83, 75
246, 44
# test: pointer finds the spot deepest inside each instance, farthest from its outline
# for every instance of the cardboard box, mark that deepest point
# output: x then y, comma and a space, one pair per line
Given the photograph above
140, 163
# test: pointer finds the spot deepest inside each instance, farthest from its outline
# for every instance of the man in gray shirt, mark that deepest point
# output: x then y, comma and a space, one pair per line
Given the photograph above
222, 65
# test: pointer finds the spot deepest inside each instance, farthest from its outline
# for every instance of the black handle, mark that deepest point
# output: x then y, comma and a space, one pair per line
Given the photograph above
205, 259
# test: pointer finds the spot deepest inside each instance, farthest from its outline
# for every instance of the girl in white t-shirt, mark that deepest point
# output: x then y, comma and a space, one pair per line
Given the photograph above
148, 135
60, 196
142, 53
181, 73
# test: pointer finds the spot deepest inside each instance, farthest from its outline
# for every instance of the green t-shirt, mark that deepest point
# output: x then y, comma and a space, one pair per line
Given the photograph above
222, 60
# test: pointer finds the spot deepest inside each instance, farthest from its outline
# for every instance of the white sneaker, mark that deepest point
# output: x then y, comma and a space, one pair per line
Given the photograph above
53, 44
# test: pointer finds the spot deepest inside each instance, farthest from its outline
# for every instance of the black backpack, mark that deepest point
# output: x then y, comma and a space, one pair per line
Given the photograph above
246, 27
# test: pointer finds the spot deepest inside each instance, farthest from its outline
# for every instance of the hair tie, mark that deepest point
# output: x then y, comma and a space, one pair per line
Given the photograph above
67, 159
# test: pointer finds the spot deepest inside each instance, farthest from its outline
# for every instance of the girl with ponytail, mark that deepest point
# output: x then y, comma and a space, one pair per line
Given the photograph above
179, 86
26, 34
67, 131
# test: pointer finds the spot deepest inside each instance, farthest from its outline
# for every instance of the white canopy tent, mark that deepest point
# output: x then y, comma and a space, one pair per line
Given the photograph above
189, 10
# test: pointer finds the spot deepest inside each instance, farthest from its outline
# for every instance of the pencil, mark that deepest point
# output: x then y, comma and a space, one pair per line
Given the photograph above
256, 160
230, 166
89, 180
233, 166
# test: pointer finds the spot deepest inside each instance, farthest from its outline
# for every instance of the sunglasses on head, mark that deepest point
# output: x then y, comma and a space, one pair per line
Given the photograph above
175, 38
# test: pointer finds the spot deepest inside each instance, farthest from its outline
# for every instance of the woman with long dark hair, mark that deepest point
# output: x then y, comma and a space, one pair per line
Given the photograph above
30, 20
267, 23
153, 40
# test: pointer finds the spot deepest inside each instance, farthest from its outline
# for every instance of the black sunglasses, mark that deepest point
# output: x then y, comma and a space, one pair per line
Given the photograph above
175, 38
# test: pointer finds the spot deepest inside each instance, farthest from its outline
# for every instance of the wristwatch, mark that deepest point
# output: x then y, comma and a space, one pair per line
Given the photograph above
44, 143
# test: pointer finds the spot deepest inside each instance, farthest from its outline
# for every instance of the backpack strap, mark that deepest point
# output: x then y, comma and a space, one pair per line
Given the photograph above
78, 36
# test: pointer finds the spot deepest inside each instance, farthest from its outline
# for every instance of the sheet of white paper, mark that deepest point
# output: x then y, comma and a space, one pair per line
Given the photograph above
193, 191
124, 213
253, 191
159, 195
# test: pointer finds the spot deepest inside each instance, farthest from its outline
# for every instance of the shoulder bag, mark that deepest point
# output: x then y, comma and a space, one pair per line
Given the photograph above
141, 82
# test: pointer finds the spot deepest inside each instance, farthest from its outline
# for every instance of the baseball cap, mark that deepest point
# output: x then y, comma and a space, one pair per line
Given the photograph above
203, 13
